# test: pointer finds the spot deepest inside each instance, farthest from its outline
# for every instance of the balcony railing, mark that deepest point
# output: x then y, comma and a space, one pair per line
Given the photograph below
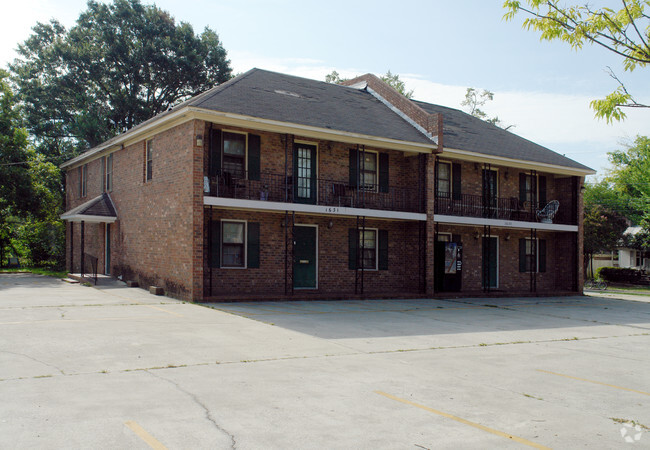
274, 187
468, 205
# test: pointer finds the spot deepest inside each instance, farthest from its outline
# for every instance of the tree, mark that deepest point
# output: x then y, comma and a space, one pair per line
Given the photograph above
121, 64
16, 192
390, 79
630, 176
604, 221
625, 32
474, 100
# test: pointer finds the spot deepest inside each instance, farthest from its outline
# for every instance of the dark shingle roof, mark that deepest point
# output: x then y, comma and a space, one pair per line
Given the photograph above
286, 98
461, 131
100, 206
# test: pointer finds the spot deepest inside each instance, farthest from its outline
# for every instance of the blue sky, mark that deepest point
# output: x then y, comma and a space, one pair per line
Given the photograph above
438, 47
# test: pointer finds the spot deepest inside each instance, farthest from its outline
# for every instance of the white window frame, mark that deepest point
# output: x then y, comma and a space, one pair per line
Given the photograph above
376, 230
83, 180
536, 255
245, 256
362, 186
223, 149
530, 175
108, 175
148, 157
451, 179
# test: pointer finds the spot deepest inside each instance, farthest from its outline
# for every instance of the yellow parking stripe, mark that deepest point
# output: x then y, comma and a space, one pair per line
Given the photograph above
594, 382
142, 434
466, 422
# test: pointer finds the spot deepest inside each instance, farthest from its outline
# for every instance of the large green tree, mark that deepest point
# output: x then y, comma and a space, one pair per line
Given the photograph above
604, 219
17, 196
121, 64
625, 32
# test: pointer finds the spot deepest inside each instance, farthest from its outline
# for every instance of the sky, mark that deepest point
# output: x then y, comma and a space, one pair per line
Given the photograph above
438, 47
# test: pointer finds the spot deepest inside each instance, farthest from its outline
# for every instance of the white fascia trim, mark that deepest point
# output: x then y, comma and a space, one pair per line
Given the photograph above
474, 221
400, 113
128, 135
518, 163
308, 130
90, 219
233, 203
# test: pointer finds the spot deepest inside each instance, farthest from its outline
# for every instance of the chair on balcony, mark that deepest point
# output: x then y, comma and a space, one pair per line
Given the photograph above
547, 214
341, 196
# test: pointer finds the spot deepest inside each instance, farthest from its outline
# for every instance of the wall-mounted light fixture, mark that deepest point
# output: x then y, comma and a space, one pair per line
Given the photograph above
506, 174
477, 235
330, 224
582, 188
507, 236
199, 140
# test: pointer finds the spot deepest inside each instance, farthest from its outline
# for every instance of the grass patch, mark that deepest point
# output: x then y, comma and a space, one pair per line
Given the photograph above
634, 423
38, 271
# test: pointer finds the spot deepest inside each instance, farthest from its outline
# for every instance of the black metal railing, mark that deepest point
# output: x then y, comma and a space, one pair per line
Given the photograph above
318, 191
483, 206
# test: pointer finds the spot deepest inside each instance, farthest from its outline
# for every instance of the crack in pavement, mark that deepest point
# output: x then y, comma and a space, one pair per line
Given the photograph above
36, 360
208, 415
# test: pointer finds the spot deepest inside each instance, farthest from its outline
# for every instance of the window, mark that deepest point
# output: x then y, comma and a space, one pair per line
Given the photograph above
531, 256
444, 237
368, 170
444, 179
232, 244
528, 189
368, 249
108, 171
148, 160
234, 154
83, 180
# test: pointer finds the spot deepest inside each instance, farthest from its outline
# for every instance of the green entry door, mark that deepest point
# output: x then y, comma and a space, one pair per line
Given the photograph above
490, 262
304, 257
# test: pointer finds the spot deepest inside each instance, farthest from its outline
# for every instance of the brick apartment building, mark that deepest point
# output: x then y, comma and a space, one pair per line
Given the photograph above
275, 186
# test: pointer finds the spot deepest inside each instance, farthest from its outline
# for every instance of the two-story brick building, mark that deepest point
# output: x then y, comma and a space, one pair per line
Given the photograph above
275, 186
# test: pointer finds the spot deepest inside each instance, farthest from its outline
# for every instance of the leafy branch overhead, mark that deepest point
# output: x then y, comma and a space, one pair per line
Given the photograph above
625, 32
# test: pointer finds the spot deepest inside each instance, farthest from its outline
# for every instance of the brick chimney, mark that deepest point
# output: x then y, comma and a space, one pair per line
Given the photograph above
430, 123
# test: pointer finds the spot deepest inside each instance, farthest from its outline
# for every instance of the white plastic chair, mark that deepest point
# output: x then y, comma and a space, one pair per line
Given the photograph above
547, 214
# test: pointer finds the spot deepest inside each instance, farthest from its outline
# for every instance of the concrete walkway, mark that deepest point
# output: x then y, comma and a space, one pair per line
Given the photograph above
116, 367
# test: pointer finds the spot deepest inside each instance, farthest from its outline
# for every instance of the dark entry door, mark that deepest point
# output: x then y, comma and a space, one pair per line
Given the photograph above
304, 257
448, 265
490, 262
304, 173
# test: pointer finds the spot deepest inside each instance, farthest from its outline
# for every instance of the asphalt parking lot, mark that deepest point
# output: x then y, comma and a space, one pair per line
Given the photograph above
116, 367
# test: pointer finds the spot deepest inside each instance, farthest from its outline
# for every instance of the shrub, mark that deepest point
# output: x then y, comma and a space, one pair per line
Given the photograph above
620, 275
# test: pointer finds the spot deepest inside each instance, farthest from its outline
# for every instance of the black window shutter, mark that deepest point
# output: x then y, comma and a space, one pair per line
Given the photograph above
253, 245
383, 250
103, 162
253, 157
215, 251
215, 153
456, 181
522, 187
542, 191
542, 255
522, 255
383, 172
353, 243
354, 167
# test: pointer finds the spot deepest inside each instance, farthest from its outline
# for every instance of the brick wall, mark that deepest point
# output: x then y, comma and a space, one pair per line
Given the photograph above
334, 275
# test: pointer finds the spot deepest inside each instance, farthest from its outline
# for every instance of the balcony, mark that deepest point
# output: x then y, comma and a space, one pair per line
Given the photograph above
273, 187
510, 209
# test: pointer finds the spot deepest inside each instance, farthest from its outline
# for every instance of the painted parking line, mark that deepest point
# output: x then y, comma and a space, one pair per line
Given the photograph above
142, 434
593, 381
465, 422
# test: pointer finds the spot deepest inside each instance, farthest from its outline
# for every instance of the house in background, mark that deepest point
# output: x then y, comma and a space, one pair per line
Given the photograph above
275, 186
632, 258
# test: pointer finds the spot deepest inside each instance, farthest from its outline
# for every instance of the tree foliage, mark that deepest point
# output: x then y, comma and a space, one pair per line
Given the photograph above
121, 64
475, 100
625, 32
389, 78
